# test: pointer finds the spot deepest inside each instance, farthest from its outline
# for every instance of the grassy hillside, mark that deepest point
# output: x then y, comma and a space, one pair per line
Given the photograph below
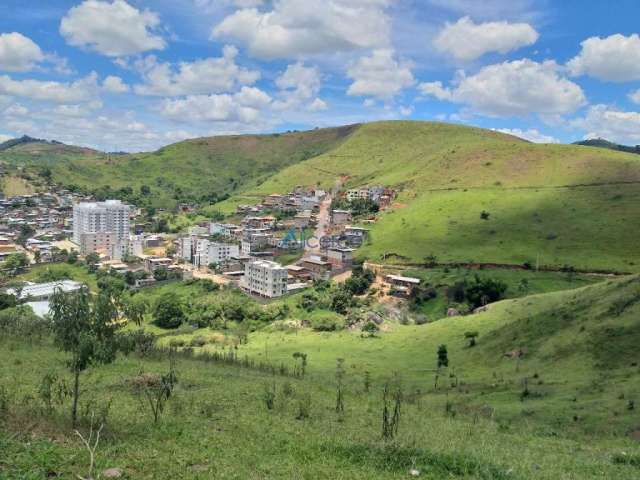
564, 204
202, 169
580, 365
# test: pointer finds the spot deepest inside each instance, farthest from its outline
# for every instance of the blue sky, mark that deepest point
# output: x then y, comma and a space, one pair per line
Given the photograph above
138, 74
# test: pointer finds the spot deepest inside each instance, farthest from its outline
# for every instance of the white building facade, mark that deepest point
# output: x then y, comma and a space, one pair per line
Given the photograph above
101, 226
265, 278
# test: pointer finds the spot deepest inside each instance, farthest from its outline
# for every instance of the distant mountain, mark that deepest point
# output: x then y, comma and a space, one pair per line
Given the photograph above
31, 146
19, 141
602, 143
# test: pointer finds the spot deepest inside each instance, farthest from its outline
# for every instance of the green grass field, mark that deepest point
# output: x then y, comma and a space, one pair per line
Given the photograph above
581, 368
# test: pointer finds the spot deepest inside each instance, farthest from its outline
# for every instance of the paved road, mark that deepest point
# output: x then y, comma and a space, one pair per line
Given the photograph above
324, 223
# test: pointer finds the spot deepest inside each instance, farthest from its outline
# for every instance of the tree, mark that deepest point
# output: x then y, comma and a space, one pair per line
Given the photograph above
26, 232
92, 260
7, 301
483, 291
85, 328
16, 263
161, 274
443, 358
471, 337
168, 311
73, 257
135, 306
37, 256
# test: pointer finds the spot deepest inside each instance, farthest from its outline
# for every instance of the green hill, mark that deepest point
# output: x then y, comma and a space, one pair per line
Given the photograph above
556, 205
565, 409
198, 170
559, 204
602, 143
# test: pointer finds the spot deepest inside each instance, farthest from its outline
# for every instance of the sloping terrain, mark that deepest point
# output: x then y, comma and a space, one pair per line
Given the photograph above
556, 204
564, 408
198, 170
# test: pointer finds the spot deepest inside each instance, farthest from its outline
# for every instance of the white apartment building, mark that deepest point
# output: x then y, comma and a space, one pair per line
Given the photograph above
208, 252
203, 252
265, 278
104, 224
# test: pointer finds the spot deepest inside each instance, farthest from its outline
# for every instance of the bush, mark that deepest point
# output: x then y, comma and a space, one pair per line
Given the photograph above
326, 321
198, 341
168, 311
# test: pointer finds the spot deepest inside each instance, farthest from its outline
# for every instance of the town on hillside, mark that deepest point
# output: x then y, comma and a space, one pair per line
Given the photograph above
281, 245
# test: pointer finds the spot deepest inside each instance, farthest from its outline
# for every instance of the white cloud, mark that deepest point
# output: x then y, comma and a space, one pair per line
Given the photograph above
4, 138
294, 28
615, 58
635, 96
111, 28
299, 86
602, 121
15, 110
379, 75
435, 89
466, 40
18, 53
113, 84
318, 105
519, 87
82, 90
531, 134
211, 75
244, 106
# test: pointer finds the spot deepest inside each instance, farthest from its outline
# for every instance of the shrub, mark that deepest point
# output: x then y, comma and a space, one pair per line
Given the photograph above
326, 321
168, 311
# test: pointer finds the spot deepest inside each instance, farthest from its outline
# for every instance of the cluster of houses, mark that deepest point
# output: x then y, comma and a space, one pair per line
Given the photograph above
45, 216
242, 252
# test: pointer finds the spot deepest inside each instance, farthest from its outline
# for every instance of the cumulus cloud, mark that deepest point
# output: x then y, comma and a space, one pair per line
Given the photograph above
111, 28
4, 138
615, 58
210, 75
531, 134
512, 88
602, 121
299, 86
15, 110
635, 96
466, 40
18, 53
113, 84
294, 28
82, 90
379, 75
244, 106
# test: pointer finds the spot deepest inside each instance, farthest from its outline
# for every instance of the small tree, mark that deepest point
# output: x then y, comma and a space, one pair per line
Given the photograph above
86, 329
443, 358
16, 263
471, 337
135, 306
168, 311
92, 260
155, 390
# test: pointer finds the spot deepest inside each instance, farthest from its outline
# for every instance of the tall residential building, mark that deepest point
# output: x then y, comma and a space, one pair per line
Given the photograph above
100, 225
265, 278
